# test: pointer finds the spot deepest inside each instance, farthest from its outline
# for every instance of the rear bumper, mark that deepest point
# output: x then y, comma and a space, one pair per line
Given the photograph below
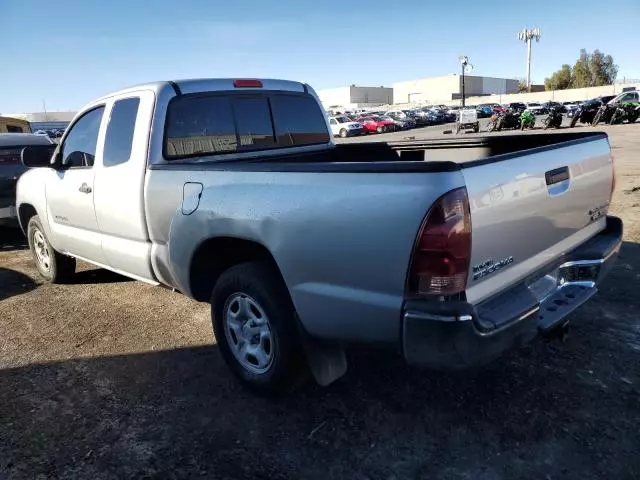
455, 335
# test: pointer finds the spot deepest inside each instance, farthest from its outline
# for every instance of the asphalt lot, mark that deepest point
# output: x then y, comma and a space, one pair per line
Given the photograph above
111, 378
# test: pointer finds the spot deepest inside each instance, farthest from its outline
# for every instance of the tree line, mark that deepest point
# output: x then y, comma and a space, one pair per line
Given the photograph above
590, 70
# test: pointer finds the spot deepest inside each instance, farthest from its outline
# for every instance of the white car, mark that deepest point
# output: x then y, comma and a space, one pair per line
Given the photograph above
345, 127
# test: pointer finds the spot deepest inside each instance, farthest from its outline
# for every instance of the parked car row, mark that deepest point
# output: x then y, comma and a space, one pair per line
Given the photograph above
50, 133
348, 124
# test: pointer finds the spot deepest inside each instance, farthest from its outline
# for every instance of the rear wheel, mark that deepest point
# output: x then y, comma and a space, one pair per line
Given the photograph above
53, 266
380, 129
344, 133
254, 322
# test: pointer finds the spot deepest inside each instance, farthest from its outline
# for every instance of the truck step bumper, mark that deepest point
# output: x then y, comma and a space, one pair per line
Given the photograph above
456, 335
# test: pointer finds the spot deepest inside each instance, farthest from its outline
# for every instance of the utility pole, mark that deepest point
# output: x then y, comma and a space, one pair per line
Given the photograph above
464, 64
44, 109
526, 36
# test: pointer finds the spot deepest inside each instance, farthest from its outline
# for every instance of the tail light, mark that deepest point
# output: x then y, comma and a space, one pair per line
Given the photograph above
247, 83
440, 262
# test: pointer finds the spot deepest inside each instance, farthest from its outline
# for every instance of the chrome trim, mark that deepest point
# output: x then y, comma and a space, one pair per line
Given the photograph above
428, 316
524, 316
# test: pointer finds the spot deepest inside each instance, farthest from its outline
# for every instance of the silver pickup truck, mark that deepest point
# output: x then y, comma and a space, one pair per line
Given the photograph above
233, 192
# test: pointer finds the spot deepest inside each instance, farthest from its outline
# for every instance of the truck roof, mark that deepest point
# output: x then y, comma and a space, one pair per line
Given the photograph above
195, 85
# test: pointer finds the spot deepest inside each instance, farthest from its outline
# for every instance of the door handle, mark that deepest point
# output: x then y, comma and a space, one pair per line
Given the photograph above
84, 188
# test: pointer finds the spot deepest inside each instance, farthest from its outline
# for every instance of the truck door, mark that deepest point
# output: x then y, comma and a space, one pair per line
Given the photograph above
120, 180
70, 190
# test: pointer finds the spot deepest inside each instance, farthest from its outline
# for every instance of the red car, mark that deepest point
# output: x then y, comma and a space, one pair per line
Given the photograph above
375, 124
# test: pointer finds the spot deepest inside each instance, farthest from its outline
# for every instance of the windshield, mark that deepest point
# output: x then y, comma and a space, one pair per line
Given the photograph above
343, 119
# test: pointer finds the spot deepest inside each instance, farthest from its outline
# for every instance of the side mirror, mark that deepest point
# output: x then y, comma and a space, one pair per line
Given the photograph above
37, 155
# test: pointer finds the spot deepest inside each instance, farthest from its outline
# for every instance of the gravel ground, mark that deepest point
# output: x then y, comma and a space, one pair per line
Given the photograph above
110, 378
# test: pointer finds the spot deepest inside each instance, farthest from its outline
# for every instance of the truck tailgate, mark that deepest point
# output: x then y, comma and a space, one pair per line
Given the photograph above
531, 207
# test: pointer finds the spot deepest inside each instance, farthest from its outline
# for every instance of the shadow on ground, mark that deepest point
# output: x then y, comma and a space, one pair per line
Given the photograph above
548, 410
12, 239
14, 283
98, 275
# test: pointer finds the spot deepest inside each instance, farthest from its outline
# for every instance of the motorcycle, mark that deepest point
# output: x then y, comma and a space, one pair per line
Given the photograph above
509, 120
604, 114
527, 120
554, 119
585, 113
493, 121
629, 111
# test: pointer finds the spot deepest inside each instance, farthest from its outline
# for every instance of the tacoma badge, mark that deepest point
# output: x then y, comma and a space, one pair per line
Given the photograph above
489, 266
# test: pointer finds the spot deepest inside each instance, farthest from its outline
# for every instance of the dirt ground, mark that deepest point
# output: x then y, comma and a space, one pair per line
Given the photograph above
111, 378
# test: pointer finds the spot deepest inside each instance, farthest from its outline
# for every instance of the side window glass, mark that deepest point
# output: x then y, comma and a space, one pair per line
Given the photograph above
119, 138
79, 148
253, 120
333, 121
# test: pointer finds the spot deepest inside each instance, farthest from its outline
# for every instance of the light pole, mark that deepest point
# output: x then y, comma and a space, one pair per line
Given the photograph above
526, 36
464, 63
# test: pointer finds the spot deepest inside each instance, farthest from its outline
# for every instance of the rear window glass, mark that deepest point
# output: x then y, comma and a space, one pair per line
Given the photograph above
215, 124
200, 125
253, 120
298, 120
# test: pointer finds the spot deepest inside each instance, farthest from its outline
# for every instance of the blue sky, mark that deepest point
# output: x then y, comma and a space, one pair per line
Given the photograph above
68, 52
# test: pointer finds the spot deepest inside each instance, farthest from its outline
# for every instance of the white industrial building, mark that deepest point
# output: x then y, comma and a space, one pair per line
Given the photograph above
356, 97
449, 87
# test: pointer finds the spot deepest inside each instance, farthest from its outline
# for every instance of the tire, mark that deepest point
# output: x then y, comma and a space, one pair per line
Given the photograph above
574, 120
380, 129
597, 118
633, 116
53, 266
280, 367
546, 123
344, 133
492, 126
614, 117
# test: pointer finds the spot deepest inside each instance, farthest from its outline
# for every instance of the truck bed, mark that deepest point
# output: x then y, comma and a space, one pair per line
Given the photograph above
433, 155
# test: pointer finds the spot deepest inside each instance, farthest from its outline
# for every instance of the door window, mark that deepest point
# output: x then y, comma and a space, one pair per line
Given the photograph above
79, 148
119, 138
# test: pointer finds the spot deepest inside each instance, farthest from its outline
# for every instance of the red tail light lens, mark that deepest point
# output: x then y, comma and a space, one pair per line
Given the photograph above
440, 263
247, 83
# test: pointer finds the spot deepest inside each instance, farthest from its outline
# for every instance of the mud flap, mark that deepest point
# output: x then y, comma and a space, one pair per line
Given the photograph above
327, 361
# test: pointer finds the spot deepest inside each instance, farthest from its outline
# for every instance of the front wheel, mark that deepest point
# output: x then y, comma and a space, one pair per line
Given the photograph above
597, 118
254, 323
53, 266
574, 120
344, 133
380, 129
614, 118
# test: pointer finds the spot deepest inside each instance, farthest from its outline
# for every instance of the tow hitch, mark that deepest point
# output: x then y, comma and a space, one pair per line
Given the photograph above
561, 332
